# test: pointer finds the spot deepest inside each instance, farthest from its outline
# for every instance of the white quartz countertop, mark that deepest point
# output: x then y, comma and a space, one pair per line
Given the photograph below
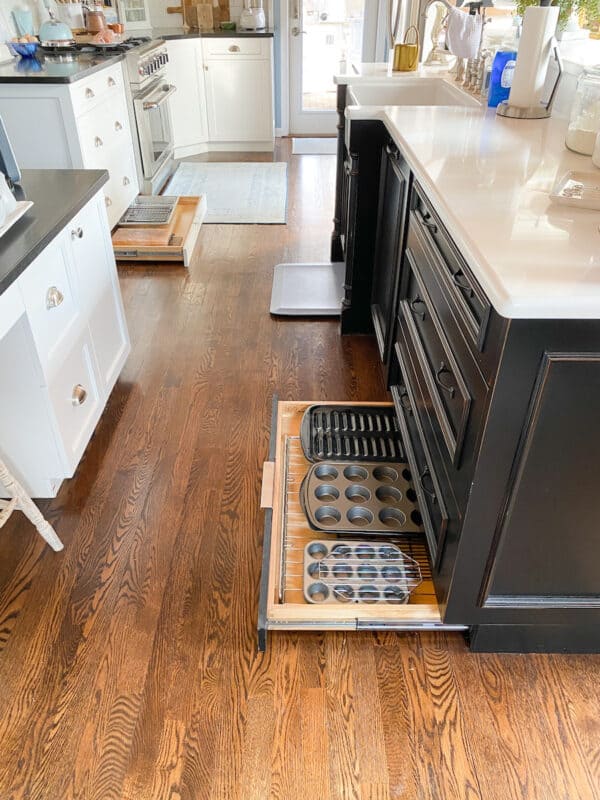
489, 178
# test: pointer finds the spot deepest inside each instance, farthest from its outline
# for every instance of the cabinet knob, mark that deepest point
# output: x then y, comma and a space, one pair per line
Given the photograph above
79, 395
89, 93
112, 82
118, 126
77, 233
54, 297
444, 372
126, 181
108, 201
206, 68
234, 48
98, 141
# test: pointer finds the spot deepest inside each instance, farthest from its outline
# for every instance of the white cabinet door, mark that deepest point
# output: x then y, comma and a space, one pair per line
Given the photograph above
188, 105
99, 291
239, 99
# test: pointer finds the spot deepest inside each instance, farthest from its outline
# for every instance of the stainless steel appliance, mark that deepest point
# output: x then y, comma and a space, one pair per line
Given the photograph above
149, 93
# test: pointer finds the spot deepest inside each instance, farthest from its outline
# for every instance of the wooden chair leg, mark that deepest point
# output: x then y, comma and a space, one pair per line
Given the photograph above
25, 504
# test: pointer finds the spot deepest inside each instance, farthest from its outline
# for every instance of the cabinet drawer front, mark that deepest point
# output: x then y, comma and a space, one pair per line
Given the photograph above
76, 402
468, 299
236, 47
120, 190
104, 134
449, 394
429, 494
50, 297
90, 92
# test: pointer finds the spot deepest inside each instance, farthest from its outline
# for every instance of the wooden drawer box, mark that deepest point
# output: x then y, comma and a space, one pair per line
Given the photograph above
282, 603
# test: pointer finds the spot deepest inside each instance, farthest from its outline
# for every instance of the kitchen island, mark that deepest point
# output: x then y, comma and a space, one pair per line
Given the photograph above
485, 300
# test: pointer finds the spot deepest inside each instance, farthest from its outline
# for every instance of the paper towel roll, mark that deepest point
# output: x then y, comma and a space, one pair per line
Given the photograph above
535, 49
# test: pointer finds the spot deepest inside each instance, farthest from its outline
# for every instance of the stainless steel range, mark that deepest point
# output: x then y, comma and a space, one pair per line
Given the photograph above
149, 93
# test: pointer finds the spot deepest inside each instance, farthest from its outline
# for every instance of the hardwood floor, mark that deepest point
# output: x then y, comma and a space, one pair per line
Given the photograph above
128, 662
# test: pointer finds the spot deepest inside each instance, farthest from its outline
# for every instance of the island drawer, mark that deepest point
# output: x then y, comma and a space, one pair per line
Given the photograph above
282, 604
469, 303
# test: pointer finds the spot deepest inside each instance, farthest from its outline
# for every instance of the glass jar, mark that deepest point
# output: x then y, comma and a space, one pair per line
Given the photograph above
584, 124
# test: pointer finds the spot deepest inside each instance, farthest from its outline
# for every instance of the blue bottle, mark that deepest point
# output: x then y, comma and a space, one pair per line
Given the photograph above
503, 69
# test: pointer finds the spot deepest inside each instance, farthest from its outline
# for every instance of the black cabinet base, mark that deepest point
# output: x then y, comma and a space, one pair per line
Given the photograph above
337, 251
535, 638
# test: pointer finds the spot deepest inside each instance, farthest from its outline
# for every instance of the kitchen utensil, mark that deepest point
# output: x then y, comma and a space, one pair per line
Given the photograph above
365, 433
95, 21
346, 496
578, 189
252, 17
584, 123
358, 572
149, 210
52, 30
406, 54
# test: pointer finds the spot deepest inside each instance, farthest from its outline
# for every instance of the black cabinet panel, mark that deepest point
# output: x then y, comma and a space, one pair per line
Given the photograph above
547, 551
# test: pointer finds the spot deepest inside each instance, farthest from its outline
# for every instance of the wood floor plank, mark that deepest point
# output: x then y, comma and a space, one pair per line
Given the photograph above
128, 662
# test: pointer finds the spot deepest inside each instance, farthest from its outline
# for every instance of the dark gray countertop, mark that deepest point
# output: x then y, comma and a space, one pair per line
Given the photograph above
180, 33
43, 70
58, 194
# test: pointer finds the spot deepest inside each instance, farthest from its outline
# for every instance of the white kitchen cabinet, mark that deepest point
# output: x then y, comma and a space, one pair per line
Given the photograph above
63, 343
80, 125
239, 90
188, 104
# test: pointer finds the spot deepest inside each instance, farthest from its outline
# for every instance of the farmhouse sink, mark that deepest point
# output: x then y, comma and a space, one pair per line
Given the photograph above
410, 92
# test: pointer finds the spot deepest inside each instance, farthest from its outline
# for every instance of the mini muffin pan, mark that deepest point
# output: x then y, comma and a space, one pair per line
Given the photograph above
360, 498
358, 572
352, 433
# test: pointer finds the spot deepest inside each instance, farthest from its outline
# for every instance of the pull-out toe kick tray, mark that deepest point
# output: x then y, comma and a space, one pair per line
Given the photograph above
284, 602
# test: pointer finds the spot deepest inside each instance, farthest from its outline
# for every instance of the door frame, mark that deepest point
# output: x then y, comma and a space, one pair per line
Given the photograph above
369, 54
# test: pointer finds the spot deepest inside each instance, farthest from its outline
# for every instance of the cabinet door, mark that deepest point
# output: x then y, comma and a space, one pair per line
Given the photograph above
99, 291
388, 252
239, 100
188, 105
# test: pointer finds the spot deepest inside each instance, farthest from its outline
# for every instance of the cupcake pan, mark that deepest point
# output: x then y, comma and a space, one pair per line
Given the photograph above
358, 572
349, 497
353, 433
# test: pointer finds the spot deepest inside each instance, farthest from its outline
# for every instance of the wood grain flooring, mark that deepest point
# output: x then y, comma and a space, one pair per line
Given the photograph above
128, 663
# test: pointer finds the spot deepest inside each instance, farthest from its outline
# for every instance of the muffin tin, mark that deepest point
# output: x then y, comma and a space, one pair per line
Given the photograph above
358, 572
349, 497
353, 433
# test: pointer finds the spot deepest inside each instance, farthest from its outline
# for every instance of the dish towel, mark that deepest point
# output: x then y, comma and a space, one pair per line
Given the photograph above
463, 36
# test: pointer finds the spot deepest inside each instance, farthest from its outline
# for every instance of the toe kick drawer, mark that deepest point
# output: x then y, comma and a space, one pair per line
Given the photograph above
287, 533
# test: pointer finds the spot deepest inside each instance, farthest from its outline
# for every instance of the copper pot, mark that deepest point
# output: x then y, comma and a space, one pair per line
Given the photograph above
95, 21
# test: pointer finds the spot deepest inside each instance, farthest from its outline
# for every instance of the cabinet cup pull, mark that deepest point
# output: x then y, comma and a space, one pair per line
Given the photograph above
233, 48
112, 82
118, 126
429, 490
426, 219
392, 151
77, 233
89, 93
463, 286
79, 395
126, 181
98, 141
418, 301
443, 370
54, 297
405, 402
107, 201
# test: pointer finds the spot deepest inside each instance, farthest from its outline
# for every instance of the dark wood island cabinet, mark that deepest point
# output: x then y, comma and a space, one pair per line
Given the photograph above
500, 417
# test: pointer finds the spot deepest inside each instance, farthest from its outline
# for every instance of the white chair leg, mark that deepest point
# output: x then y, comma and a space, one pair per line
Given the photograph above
25, 504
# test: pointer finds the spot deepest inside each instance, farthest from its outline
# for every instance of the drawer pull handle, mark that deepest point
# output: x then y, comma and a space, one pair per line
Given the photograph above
98, 142
89, 93
54, 297
77, 233
418, 301
463, 284
112, 82
429, 489
428, 224
392, 151
108, 201
118, 126
79, 395
233, 48
405, 402
126, 181
443, 370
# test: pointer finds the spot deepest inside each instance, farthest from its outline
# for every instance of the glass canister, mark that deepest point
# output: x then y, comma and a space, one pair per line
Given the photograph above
584, 124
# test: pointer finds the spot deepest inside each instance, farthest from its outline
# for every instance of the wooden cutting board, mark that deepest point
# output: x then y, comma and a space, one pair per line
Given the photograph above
220, 11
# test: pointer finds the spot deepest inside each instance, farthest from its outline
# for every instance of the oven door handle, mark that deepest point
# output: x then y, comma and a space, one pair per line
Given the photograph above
164, 93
